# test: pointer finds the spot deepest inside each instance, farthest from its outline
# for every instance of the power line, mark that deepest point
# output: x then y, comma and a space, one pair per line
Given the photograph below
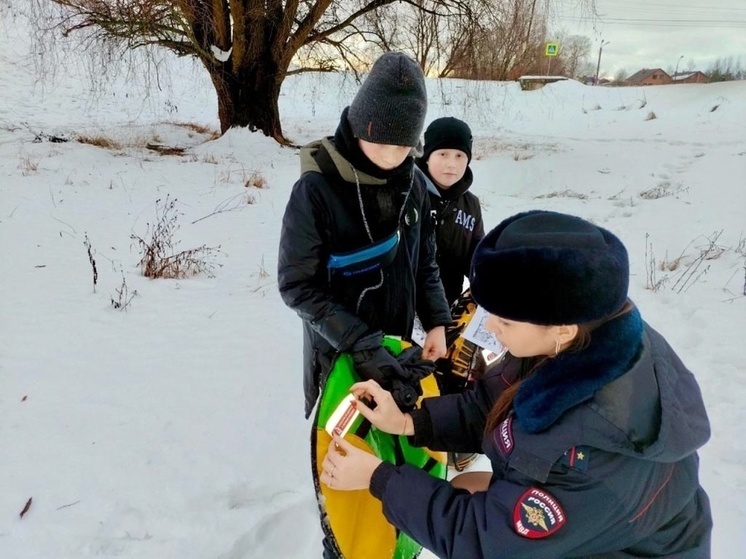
627, 5
711, 23
674, 20
664, 15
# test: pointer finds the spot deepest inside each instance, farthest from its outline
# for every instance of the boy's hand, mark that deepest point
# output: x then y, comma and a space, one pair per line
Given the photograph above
400, 375
377, 364
373, 361
435, 344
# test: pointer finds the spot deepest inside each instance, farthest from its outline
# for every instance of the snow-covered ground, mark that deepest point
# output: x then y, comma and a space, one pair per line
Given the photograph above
174, 428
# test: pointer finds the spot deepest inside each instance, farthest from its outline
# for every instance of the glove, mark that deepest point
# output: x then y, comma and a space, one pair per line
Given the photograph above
407, 392
399, 375
373, 361
414, 367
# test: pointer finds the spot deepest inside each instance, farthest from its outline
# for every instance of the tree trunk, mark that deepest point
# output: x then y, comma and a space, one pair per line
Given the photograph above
249, 99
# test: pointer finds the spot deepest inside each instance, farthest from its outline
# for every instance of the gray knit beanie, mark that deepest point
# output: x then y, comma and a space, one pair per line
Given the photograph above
390, 106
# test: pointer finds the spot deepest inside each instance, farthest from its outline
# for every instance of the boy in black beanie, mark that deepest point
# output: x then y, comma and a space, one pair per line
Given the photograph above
458, 215
458, 230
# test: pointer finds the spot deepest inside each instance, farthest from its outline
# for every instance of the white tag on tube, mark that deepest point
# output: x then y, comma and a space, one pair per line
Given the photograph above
342, 418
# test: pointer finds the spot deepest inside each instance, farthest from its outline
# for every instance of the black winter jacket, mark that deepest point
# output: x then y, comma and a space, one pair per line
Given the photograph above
324, 216
458, 230
597, 461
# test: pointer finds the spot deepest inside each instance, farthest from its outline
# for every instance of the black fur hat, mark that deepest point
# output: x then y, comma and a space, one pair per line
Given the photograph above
550, 268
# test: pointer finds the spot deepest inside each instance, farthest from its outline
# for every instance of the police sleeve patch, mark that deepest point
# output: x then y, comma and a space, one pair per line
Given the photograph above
504, 435
537, 514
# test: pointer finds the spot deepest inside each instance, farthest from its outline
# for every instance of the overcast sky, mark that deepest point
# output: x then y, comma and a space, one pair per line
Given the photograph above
657, 33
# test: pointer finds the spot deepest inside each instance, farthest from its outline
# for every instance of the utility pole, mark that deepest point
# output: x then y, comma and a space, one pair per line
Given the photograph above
676, 72
598, 65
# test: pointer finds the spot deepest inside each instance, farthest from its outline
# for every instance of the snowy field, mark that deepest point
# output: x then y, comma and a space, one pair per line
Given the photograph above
173, 428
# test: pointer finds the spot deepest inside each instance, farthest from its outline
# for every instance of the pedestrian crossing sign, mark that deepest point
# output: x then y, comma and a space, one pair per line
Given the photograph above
552, 49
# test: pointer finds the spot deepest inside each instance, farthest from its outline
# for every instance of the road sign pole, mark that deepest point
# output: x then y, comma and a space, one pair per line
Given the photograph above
550, 51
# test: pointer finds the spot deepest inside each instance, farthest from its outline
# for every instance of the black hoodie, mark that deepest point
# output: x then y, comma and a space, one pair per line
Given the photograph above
458, 229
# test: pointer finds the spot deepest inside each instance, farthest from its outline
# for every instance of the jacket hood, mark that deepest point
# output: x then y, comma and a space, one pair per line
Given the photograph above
309, 162
645, 402
341, 155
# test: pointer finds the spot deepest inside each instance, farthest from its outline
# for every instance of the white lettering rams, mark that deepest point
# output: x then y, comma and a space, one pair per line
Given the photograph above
465, 220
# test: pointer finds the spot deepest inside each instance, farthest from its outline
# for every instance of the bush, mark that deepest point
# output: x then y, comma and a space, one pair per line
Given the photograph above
159, 256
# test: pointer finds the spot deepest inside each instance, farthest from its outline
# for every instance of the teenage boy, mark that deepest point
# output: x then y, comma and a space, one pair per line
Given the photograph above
357, 250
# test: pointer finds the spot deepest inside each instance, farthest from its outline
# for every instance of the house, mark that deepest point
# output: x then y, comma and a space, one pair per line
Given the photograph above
646, 76
690, 77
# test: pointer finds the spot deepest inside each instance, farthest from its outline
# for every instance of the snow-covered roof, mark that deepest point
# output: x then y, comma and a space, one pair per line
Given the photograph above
543, 78
684, 75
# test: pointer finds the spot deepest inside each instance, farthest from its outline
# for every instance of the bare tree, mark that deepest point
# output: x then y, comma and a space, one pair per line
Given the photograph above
479, 39
725, 69
620, 76
574, 54
246, 46
434, 37
506, 42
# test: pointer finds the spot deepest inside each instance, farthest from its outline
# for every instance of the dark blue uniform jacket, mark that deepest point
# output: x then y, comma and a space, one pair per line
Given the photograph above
598, 459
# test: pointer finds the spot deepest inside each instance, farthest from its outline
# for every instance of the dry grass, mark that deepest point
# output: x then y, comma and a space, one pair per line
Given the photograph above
99, 141
124, 296
256, 180
153, 142
520, 151
92, 260
522, 156
239, 174
567, 193
490, 147
664, 189
263, 273
211, 133
688, 267
165, 150
741, 246
28, 166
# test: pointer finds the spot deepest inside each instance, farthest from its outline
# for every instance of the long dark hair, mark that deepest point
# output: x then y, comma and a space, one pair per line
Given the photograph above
529, 365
